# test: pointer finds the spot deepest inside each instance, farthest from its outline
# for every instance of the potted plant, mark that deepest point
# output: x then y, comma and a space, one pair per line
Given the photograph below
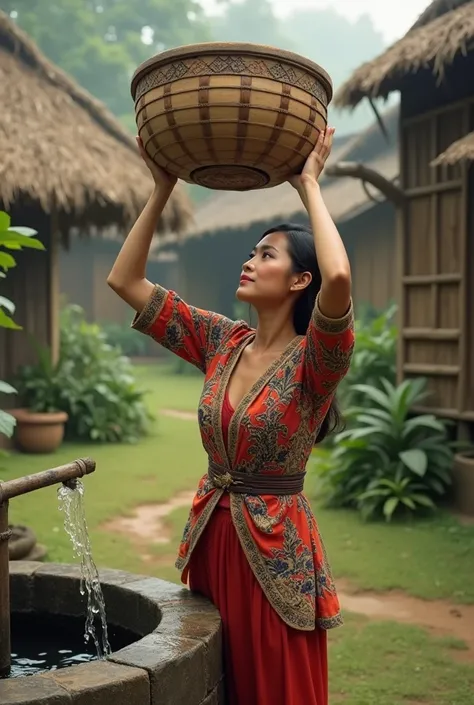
40, 422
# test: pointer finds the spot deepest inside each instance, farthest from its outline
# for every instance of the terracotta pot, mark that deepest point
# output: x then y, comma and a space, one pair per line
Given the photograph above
463, 482
39, 432
230, 116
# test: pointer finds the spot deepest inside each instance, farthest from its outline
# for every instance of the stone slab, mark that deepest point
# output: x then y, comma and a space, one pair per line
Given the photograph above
176, 668
197, 621
37, 690
104, 683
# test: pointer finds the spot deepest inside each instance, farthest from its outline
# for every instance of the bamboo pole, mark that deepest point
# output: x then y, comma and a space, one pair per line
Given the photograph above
63, 473
8, 490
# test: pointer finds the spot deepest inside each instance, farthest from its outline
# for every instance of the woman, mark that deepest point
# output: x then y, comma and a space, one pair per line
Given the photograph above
251, 543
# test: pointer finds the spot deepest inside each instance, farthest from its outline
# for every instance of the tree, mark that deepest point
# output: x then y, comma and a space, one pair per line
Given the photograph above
339, 45
101, 42
251, 21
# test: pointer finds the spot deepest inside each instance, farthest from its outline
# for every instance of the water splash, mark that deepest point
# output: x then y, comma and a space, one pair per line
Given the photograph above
71, 503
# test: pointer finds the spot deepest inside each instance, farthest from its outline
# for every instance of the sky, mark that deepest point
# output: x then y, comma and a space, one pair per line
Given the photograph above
392, 19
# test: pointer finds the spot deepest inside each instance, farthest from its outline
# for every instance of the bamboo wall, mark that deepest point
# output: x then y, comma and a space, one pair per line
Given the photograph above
435, 306
370, 242
83, 279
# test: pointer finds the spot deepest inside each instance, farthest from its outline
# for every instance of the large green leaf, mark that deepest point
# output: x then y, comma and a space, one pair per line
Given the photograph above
415, 460
6, 388
6, 261
5, 220
7, 424
378, 425
374, 394
390, 506
423, 500
422, 423
408, 502
15, 240
7, 321
8, 304
21, 230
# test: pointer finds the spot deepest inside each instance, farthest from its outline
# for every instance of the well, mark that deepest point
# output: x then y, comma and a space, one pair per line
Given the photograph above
175, 660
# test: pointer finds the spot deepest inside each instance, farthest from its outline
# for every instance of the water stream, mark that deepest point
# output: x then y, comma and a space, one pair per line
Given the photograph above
71, 503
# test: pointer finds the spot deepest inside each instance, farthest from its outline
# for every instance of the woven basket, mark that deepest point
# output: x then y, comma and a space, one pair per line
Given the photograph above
230, 116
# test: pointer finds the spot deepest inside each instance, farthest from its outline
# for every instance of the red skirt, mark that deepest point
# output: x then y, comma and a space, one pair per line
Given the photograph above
266, 661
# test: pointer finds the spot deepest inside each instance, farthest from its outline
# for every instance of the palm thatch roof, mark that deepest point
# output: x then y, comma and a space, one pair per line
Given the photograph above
62, 149
344, 197
436, 9
443, 31
460, 151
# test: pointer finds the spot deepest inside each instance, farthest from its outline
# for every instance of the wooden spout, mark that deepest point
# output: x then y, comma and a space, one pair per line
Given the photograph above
14, 488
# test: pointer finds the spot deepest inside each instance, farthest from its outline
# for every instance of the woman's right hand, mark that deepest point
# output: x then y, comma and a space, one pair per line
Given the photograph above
161, 177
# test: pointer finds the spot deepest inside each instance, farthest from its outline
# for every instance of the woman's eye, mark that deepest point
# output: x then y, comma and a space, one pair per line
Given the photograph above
265, 254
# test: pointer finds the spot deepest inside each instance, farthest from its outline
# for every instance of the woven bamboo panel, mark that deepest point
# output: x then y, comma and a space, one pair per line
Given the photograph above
230, 116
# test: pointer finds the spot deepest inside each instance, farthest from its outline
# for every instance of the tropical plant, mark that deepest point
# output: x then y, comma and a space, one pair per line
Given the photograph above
389, 461
124, 337
11, 239
92, 382
374, 356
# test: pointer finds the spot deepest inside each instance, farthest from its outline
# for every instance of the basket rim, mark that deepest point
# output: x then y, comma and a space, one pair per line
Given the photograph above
246, 48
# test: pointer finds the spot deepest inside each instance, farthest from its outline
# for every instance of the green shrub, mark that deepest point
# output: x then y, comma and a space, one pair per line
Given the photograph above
374, 357
388, 462
124, 337
92, 382
182, 367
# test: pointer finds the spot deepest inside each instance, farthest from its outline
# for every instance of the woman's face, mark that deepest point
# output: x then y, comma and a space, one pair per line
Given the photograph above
267, 277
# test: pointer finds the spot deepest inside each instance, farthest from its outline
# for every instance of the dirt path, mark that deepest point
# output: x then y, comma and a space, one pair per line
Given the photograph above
148, 526
176, 414
440, 617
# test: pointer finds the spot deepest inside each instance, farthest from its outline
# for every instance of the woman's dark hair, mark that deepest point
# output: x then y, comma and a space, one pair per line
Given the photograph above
303, 256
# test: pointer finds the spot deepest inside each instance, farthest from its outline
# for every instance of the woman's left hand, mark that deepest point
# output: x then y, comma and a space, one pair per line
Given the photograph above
316, 161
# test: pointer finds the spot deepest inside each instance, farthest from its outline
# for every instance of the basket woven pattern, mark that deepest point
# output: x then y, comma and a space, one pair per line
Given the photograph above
229, 121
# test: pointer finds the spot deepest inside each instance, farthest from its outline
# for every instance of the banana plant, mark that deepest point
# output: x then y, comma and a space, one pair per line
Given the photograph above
11, 239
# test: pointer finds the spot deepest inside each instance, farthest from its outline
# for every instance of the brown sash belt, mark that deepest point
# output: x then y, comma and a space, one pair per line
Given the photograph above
254, 484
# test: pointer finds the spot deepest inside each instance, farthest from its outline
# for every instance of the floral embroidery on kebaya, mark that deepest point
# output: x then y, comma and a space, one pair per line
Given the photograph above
272, 431
293, 561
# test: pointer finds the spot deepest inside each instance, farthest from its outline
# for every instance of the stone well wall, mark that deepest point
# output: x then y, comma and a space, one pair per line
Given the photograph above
175, 661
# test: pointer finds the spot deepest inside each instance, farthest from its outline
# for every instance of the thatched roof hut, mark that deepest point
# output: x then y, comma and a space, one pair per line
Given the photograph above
444, 30
62, 149
431, 67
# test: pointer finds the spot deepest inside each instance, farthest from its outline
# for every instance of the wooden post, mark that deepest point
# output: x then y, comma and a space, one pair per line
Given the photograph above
5, 652
464, 286
400, 257
54, 285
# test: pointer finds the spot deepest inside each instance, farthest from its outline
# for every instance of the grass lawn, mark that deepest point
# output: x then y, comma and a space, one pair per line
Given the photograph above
171, 459
385, 663
430, 559
373, 663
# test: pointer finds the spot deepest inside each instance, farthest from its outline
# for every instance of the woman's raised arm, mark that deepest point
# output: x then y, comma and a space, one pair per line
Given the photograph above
127, 276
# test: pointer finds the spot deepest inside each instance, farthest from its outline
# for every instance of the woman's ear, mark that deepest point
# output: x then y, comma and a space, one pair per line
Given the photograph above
302, 281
